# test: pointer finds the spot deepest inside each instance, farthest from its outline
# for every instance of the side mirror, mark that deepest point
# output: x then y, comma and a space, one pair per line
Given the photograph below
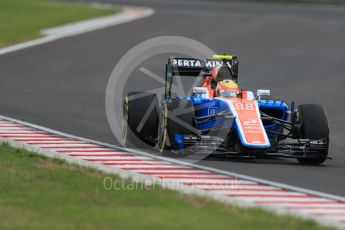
263, 93
200, 92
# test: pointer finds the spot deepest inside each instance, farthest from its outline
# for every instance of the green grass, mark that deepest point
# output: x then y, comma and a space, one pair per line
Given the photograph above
42, 193
22, 20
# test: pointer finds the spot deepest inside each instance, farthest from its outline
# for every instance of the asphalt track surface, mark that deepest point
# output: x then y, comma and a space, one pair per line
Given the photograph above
297, 52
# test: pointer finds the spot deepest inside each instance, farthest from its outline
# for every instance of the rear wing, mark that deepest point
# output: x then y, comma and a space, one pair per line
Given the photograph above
197, 67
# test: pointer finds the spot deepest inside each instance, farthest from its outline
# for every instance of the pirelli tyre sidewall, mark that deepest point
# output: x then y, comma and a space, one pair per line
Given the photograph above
162, 132
314, 125
177, 117
125, 132
134, 112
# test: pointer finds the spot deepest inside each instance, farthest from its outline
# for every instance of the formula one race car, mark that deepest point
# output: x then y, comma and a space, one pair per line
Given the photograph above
222, 118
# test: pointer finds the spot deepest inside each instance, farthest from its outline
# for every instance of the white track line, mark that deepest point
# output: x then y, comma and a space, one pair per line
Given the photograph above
166, 171
113, 158
43, 142
189, 178
81, 149
254, 192
282, 199
5, 132
96, 156
66, 145
322, 211
52, 34
239, 187
128, 163
162, 167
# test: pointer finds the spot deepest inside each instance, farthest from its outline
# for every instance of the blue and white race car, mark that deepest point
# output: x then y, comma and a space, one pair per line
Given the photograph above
222, 118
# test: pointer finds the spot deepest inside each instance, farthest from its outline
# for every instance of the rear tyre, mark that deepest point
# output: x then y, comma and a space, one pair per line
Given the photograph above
314, 125
177, 118
140, 111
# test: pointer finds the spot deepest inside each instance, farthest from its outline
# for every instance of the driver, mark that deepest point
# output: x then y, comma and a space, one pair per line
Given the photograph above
227, 88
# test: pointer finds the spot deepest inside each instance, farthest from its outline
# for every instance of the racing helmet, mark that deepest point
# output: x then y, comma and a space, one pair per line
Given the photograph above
227, 88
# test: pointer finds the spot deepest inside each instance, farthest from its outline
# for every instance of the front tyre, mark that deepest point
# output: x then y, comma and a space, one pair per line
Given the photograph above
140, 125
314, 125
177, 118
